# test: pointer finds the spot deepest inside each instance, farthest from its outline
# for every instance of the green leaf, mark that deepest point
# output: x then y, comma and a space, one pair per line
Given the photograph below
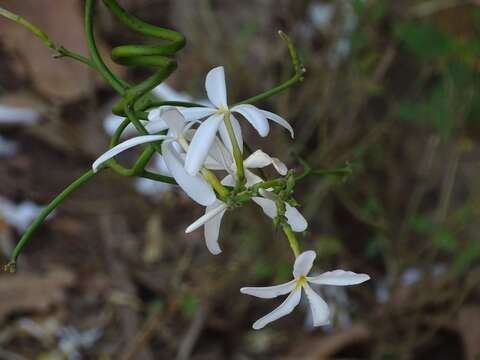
445, 240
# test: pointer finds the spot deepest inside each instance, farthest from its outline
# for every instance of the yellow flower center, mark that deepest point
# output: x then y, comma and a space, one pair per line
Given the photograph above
300, 281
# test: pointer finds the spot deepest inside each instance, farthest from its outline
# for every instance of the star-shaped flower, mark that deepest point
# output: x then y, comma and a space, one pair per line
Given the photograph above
206, 133
173, 147
220, 159
301, 268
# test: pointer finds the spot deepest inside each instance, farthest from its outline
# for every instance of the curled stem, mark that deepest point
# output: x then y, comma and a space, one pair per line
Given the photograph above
298, 76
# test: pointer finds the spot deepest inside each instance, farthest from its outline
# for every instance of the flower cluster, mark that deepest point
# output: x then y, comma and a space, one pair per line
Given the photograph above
195, 142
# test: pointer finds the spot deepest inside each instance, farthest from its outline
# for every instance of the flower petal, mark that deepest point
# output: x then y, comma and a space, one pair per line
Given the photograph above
251, 178
197, 113
279, 166
295, 218
268, 206
303, 263
228, 180
212, 230
269, 292
219, 158
257, 159
194, 186
238, 134
124, 146
339, 278
318, 306
284, 309
255, 117
279, 120
201, 143
216, 88
156, 126
212, 210
174, 119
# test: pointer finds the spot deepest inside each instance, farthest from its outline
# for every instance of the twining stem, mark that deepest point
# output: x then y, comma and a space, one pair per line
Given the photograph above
108, 75
298, 76
292, 239
237, 152
45, 212
60, 51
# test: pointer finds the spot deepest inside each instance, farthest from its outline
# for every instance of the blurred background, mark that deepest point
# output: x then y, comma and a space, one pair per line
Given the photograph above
391, 88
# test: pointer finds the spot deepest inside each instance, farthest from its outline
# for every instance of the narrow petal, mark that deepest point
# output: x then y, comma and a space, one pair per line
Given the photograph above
268, 206
197, 113
228, 180
295, 219
319, 308
303, 263
339, 278
174, 119
257, 159
269, 292
238, 134
219, 158
216, 88
251, 178
279, 166
211, 211
284, 309
201, 143
125, 146
279, 120
255, 117
212, 230
194, 186
156, 126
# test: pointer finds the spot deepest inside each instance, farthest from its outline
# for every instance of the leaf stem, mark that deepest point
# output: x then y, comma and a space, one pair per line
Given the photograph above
45, 212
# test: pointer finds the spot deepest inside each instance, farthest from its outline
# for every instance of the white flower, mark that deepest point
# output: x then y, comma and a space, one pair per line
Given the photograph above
301, 268
220, 159
205, 135
173, 143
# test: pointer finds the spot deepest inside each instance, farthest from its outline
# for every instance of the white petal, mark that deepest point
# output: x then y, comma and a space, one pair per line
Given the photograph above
197, 113
212, 230
160, 166
268, 206
257, 159
319, 308
255, 117
201, 143
211, 211
279, 120
251, 178
339, 278
295, 219
279, 166
124, 146
303, 263
228, 180
219, 157
156, 126
216, 88
194, 186
238, 134
269, 292
174, 119
284, 309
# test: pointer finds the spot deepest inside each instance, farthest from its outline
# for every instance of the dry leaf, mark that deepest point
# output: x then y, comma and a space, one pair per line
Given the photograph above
33, 292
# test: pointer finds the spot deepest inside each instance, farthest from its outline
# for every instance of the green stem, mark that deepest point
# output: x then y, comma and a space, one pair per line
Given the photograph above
237, 153
213, 180
292, 239
116, 84
60, 51
298, 76
45, 212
